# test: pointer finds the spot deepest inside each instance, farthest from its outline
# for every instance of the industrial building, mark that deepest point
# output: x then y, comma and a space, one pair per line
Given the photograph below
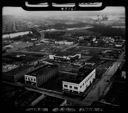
41, 75
9, 67
65, 58
63, 42
80, 83
16, 74
16, 65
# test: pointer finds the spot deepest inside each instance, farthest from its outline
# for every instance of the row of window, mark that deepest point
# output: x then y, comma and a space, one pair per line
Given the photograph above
32, 79
71, 86
87, 80
80, 86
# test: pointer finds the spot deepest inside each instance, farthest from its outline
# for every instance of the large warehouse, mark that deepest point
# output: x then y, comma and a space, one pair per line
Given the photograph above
79, 84
41, 75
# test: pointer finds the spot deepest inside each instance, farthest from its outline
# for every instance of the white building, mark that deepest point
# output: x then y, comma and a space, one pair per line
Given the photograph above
31, 79
63, 42
79, 86
118, 45
65, 57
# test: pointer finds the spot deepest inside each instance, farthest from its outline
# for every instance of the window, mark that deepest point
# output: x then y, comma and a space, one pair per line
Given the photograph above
26, 78
65, 86
34, 80
31, 79
75, 87
70, 86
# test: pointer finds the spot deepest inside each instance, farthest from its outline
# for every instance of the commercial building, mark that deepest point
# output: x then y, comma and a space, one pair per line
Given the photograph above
80, 83
41, 75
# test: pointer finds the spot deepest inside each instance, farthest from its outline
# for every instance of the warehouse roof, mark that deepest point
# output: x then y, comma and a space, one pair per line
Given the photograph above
42, 70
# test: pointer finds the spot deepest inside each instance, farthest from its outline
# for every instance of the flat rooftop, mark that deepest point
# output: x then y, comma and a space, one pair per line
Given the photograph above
43, 70
83, 72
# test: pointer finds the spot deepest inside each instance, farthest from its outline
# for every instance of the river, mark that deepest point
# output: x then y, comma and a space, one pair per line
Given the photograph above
13, 35
67, 29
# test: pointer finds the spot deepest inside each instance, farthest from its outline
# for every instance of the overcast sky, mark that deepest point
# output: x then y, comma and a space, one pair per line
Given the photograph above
20, 11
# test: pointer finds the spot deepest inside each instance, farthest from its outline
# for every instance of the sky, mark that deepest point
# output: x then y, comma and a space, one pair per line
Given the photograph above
20, 11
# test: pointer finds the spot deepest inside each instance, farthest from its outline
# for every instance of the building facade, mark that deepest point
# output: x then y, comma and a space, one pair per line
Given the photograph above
30, 80
42, 75
79, 87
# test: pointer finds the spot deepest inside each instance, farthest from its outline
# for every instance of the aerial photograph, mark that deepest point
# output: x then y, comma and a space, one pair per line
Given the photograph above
54, 59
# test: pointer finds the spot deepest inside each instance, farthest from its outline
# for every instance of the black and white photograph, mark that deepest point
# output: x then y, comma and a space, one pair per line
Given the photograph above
63, 60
